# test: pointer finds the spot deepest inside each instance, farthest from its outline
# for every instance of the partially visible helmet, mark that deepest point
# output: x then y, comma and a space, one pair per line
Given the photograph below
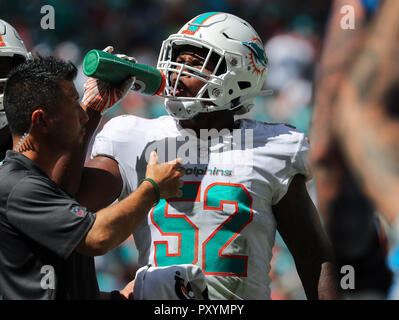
11, 45
239, 73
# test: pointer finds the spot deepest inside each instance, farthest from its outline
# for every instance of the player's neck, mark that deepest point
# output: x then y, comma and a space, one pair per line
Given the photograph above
213, 120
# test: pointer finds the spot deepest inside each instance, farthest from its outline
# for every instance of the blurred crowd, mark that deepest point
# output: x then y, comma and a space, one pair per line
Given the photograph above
292, 32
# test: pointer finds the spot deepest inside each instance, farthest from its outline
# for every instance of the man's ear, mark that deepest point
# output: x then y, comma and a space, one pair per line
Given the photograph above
40, 119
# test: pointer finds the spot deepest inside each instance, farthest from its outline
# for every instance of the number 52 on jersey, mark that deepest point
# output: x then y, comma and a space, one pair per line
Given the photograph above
214, 262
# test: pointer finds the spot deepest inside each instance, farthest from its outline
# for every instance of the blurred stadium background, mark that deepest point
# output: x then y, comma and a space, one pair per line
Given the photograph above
292, 32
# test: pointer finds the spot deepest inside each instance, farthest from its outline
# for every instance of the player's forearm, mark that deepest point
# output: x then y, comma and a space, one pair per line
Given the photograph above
67, 173
318, 280
327, 288
116, 223
340, 47
365, 123
339, 50
371, 145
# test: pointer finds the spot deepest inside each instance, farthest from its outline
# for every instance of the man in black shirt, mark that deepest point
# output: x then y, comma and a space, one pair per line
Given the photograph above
40, 227
47, 239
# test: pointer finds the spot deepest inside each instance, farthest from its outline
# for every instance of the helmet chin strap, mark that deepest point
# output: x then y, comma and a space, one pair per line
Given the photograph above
246, 98
188, 109
183, 109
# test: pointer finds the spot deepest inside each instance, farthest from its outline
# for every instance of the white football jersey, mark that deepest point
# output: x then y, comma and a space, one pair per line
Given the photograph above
224, 221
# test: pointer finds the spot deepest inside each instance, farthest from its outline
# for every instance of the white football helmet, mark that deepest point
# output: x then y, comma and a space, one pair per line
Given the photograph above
11, 45
239, 73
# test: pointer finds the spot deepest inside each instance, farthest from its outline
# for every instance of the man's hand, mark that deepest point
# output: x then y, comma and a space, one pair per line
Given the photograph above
166, 175
127, 292
100, 95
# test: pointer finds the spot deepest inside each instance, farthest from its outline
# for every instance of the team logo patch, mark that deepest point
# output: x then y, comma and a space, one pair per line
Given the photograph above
184, 292
79, 211
2, 43
257, 55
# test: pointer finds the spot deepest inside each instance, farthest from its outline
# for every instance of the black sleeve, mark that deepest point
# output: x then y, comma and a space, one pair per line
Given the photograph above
46, 214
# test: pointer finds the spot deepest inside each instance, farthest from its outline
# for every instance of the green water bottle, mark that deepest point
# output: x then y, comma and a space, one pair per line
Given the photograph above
105, 66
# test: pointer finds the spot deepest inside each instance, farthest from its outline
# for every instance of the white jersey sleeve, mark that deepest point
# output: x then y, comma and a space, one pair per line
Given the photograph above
294, 146
281, 153
300, 162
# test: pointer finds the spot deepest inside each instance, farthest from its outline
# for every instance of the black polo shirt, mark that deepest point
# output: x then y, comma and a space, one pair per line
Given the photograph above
40, 227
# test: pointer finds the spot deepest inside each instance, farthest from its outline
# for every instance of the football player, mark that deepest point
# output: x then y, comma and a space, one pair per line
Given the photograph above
12, 53
236, 192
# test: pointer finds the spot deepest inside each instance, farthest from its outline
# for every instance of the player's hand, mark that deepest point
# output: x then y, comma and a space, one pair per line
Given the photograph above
100, 95
127, 291
167, 176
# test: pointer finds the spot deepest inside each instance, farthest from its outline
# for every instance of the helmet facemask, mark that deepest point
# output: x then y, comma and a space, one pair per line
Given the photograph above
207, 97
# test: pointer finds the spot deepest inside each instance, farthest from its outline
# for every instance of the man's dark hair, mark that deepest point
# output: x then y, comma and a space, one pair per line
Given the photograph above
33, 85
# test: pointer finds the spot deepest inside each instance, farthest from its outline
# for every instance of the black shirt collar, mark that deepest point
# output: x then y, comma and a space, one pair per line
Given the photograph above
13, 156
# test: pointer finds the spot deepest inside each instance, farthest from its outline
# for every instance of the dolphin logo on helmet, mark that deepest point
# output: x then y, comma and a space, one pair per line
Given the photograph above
259, 53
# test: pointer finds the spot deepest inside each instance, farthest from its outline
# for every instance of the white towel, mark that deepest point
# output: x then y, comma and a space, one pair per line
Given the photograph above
177, 282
